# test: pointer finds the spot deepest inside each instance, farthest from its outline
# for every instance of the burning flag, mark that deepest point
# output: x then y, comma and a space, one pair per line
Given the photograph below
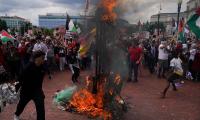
86, 42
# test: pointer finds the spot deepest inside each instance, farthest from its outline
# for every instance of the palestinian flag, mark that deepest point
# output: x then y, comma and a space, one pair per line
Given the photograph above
194, 23
74, 28
5, 37
181, 27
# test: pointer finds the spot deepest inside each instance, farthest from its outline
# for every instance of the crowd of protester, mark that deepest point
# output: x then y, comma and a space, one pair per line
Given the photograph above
159, 53
166, 58
15, 55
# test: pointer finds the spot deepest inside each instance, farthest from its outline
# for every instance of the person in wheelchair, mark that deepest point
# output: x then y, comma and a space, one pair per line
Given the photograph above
176, 73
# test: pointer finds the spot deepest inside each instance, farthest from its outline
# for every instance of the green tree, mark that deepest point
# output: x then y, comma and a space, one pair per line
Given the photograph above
12, 31
28, 26
3, 25
132, 29
151, 27
48, 32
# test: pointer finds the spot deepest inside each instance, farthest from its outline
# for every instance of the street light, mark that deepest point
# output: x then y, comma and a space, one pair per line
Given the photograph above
179, 10
158, 23
159, 20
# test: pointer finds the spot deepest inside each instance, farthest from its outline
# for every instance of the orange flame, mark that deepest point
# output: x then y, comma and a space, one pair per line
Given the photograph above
109, 5
117, 79
87, 103
92, 105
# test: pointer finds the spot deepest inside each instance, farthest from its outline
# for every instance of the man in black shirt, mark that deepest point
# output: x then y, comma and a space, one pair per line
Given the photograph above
31, 80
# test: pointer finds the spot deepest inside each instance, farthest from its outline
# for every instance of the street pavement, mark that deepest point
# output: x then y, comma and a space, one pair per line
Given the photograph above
143, 99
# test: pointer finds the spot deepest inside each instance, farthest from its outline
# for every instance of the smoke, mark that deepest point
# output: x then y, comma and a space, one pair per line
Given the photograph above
135, 10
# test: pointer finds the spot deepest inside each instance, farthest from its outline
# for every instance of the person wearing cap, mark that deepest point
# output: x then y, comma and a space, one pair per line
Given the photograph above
30, 81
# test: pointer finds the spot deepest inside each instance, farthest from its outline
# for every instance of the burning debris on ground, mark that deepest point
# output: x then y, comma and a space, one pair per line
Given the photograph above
100, 97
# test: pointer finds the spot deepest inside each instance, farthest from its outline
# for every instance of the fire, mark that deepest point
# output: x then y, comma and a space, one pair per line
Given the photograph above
109, 14
117, 79
92, 105
87, 103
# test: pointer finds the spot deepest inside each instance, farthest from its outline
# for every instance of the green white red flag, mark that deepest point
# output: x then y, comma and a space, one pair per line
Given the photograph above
194, 23
5, 36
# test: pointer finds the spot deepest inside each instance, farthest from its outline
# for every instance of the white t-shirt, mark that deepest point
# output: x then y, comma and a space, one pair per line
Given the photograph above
177, 64
192, 54
162, 53
44, 47
37, 47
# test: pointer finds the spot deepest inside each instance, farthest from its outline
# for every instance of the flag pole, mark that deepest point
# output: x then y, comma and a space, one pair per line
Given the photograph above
86, 10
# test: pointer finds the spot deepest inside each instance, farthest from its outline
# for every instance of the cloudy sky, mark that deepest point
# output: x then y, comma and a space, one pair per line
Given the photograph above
134, 10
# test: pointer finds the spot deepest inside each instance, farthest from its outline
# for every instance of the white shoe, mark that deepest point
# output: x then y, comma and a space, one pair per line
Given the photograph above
16, 117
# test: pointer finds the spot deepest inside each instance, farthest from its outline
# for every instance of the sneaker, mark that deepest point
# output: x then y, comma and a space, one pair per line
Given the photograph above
16, 117
182, 82
178, 85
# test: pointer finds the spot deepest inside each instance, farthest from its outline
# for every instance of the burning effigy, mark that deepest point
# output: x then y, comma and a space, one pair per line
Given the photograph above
100, 96
105, 104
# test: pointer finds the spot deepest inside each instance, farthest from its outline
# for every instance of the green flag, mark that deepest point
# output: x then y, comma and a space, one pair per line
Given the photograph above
194, 23
74, 29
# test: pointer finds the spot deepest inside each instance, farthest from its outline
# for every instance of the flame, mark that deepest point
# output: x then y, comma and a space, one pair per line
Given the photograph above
109, 15
87, 103
117, 79
84, 102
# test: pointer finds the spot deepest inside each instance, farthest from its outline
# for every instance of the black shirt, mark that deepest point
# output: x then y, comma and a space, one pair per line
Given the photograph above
31, 78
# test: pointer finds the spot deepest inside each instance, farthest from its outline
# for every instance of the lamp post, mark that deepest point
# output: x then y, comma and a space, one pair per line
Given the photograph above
179, 10
158, 23
159, 20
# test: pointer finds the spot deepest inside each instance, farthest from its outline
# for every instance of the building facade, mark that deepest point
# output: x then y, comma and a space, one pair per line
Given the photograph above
167, 19
192, 5
14, 22
54, 20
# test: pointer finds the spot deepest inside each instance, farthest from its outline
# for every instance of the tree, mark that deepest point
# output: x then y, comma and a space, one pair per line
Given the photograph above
28, 25
12, 31
151, 27
25, 26
47, 32
3, 25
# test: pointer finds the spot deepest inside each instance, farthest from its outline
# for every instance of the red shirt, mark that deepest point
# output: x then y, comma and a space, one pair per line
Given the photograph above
22, 51
135, 53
